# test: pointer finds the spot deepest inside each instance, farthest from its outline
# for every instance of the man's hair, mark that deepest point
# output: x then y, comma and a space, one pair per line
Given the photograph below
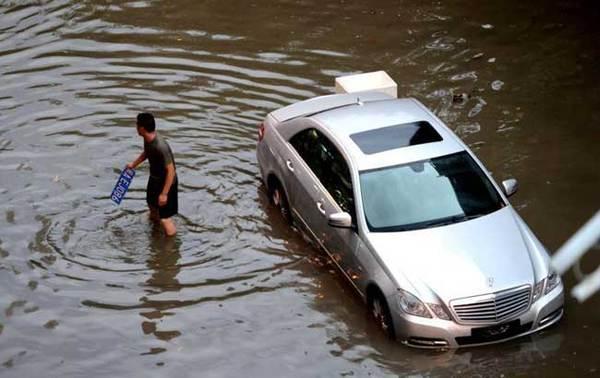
146, 121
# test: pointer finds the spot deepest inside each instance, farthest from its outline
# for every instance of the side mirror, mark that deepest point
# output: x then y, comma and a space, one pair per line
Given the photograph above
510, 186
340, 220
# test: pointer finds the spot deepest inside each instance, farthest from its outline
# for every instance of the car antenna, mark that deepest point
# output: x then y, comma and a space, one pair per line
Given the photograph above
358, 102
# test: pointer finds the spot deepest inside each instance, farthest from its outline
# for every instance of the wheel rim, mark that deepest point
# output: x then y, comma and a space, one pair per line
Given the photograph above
280, 202
277, 197
378, 312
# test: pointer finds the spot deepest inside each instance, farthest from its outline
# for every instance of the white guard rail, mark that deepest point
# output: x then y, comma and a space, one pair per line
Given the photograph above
573, 249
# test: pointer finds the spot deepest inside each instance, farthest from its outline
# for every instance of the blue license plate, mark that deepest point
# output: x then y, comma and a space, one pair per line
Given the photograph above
122, 185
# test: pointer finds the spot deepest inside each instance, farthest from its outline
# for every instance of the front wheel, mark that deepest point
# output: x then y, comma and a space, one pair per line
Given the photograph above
379, 310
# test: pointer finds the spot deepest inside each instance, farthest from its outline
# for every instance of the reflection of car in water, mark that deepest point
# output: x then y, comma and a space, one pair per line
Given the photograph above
411, 217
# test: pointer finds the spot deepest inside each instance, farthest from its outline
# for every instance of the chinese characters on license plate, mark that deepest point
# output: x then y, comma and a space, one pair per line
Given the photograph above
122, 185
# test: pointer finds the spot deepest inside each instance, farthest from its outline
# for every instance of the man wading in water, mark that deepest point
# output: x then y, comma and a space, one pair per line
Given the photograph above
161, 193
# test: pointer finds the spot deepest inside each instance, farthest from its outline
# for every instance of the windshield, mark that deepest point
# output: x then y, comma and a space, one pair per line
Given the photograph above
428, 193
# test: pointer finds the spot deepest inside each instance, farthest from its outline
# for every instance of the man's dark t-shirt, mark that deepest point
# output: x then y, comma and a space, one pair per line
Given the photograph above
159, 155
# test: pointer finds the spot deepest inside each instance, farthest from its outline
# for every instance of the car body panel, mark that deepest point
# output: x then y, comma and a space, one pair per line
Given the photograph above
343, 122
496, 257
485, 255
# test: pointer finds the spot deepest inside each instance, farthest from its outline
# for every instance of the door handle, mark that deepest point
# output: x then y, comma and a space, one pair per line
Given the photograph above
320, 207
289, 165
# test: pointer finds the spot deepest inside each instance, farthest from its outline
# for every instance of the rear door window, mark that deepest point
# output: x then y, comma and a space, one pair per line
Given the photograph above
328, 164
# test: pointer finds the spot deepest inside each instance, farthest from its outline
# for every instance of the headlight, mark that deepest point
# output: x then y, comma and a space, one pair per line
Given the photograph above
538, 289
412, 305
439, 311
553, 280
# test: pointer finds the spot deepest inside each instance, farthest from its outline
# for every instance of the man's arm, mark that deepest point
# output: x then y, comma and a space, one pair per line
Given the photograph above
137, 161
162, 198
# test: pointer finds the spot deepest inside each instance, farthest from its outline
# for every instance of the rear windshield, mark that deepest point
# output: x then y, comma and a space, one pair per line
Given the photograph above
397, 136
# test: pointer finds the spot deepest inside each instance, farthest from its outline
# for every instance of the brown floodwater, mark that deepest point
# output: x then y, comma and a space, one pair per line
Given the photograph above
89, 289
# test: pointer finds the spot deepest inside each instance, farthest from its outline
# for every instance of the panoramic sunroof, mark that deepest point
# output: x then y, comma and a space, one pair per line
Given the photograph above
397, 136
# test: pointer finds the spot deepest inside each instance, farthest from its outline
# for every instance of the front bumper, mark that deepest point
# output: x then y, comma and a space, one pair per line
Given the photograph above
437, 333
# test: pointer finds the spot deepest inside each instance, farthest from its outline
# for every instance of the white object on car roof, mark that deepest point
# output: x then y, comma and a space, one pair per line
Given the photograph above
378, 81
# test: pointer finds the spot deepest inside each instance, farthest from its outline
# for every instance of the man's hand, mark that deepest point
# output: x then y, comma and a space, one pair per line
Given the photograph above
137, 161
162, 199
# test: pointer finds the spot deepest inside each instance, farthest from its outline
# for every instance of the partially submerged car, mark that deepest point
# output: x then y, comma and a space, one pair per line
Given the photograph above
411, 217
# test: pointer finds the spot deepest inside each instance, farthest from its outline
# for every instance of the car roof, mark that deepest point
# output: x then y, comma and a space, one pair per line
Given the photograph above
345, 121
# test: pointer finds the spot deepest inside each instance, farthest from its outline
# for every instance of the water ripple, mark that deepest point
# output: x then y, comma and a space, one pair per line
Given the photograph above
103, 282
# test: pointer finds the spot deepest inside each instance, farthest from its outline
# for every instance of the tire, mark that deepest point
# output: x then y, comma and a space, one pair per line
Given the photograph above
279, 199
380, 312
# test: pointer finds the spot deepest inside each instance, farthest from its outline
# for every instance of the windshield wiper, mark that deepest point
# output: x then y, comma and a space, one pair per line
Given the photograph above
449, 220
439, 222
432, 223
473, 216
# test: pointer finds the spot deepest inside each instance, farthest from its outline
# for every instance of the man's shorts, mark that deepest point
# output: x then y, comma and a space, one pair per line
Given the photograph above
155, 187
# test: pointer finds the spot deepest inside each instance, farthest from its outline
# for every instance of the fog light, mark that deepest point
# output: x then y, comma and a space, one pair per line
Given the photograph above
427, 342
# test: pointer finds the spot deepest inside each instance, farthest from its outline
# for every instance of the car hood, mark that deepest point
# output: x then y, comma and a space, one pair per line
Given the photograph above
479, 256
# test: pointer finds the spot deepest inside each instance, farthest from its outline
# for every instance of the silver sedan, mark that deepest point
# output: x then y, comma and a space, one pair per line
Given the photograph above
412, 219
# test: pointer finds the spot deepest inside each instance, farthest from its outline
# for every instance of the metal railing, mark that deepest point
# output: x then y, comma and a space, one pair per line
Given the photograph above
584, 240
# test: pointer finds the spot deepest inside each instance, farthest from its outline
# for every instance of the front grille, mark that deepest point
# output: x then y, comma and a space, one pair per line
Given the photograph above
491, 308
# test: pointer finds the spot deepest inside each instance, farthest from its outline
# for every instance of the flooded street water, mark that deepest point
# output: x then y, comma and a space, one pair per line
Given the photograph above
91, 289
